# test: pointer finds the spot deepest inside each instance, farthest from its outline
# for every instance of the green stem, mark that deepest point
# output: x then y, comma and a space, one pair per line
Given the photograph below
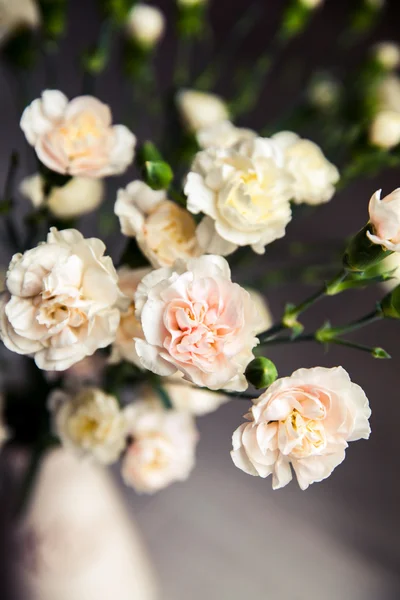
182, 66
242, 27
372, 317
8, 200
361, 347
289, 319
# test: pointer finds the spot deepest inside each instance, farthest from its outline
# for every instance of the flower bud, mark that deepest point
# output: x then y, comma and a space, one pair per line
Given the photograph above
380, 353
385, 129
199, 109
311, 4
18, 15
324, 93
261, 372
158, 174
384, 216
80, 195
187, 3
390, 305
148, 152
387, 55
146, 25
375, 4
361, 253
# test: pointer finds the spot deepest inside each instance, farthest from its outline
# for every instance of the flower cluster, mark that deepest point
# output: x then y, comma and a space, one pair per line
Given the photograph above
128, 345
243, 184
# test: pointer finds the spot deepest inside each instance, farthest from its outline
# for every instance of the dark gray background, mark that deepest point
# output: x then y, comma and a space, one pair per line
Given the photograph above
224, 534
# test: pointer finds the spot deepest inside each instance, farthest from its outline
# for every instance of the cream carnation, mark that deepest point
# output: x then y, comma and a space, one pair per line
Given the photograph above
384, 216
146, 24
314, 177
223, 134
90, 423
196, 321
388, 93
129, 326
306, 421
185, 3
62, 301
19, 14
76, 137
324, 93
199, 109
387, 54
311, 4
385, 129
164, 231
244, 191
77, 197
162, 449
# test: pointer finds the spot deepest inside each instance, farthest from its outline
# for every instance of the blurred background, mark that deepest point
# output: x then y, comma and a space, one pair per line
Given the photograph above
223, 534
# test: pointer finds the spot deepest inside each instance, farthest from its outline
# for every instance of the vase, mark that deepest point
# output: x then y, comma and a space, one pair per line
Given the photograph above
75, 539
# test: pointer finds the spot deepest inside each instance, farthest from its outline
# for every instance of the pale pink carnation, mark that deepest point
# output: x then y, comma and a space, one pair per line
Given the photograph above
304, 421
384, 216
77, 137
196, 321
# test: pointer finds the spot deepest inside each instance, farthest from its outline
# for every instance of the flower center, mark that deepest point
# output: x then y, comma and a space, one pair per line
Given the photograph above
80, 134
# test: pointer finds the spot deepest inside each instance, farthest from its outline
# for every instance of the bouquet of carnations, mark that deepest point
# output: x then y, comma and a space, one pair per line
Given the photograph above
121, 354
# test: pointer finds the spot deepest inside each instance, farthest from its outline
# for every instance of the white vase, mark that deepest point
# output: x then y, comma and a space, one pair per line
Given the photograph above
76, 540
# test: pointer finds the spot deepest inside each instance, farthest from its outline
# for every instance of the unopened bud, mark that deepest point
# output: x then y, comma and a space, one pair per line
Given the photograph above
146, 25
261, 372
390, 305
158, 174
361, 253
387, 55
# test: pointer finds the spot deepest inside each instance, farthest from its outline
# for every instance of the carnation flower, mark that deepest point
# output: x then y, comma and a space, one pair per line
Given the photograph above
145, 24
89, 423
324, 93
163, 446
311, 4
244, 191
384, 217
314, 177
129, 326
385, 129
304, 421
388, 93
15, 15
196, 321
200, 109
387, 54
76, 137
186, 3
164, 231
62, 300
223, 134
80, 195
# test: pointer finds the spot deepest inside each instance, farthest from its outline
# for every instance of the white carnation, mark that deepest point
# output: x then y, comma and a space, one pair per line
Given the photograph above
89, 423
